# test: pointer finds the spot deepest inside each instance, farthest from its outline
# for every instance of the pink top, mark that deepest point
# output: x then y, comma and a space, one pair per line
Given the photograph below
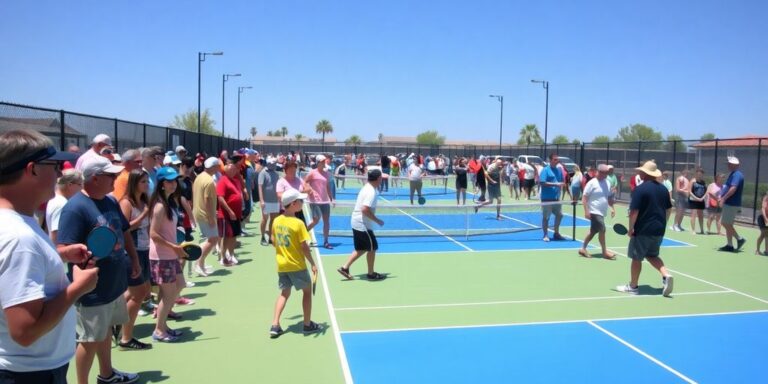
166, 228
319, 182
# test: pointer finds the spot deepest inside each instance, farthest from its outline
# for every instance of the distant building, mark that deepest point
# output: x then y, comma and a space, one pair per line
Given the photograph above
714, 153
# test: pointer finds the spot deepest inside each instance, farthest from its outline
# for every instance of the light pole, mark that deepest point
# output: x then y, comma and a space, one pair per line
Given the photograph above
200, 58
500, 98
545, 84
239, 91
224, 79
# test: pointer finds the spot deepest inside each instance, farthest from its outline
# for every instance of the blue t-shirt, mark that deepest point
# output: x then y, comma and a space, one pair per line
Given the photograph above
652, 201
735, 179
549, 175
78, 217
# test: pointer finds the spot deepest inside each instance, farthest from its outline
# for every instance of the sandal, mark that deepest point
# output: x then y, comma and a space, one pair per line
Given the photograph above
165, 339
584, 253
610, 256
174, 332
375, 276
345, 272
327, 245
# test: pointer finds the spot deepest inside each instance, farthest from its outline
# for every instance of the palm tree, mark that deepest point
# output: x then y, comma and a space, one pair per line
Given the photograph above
354, 139
254, 131
381, 137
298, 137
283, 131
529, 134
323, 127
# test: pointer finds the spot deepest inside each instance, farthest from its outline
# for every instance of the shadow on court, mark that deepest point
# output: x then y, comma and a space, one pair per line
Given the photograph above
152, 377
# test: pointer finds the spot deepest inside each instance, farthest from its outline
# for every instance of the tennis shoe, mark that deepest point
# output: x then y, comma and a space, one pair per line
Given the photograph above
200, 272
275, 331
184, 301
233, 259
264, 241
118, 377
558, 237
668, 283
740, 243
727, 248
190, 284
312, 328
626, 288
135, 345
546, 239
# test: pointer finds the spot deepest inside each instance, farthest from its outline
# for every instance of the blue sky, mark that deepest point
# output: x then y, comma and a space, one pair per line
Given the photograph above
399, 67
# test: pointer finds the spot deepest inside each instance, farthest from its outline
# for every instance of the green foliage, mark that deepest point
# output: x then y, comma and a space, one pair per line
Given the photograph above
188, 121
430, 138
323, 127
354, 139
576, 142
708, 137
601, 139
675, 143
283, 131
560, 140
298, 136
530, 134
632, 134
254, 131
381, 137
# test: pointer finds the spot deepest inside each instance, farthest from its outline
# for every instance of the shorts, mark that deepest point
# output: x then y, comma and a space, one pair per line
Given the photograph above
296, 279
761, 222
319, 210
714, 210
415, 185
144, 276
529, 183
207, 231
461, 184
364, 240
514, 181
230, 228
697, 205
494, 191
641, 247
48, 376
729, 214
681, 201
596, 223
165, 271
270, 208
549, 209
94, 323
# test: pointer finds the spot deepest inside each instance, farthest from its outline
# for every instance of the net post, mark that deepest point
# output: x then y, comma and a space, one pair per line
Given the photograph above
573, 222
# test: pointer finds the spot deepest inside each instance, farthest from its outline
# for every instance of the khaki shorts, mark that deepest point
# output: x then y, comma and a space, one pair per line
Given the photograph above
297, 279
94, 323
549, 209
729, 214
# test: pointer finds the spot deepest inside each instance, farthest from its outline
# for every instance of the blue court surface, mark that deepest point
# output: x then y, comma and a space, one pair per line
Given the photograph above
700, 348
401, 194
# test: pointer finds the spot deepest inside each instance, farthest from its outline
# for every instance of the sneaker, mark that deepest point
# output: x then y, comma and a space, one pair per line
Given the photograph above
312, 328
184, 301
233, 260
558, 237
264, 241
190, 284
208, 269
143, 312
135, 345
118, 377
345, 272
668, 283
168, 338
740, 243
546, 239
727, 248
375, 276
244, 233
200, 272
275, 331
627, 289
225, 262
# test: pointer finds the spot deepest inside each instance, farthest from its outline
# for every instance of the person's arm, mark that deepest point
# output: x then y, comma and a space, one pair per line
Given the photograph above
158, 214
308, 255
125, 208
633, 219
367, 212
188, 211
731, 191
29, 321
211, 205
130, 248
261, 194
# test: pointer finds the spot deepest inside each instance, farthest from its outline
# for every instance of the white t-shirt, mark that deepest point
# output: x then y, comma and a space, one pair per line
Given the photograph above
598, 192
367, 197
90, 153
414, 172
530, 172
31, 269
53, 212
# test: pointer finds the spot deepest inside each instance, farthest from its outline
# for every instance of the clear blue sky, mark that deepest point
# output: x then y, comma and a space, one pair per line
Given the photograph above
399, 67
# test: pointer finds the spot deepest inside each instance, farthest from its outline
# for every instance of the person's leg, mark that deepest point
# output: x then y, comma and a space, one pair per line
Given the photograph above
463, 196
583, 251
658, 263
700, 213
229, 247
545, 222
280, 304
306, 305
634, 273
498, 208
710, 217
558, 219
412, 188
760, 239
371, 259
206, 248
104, 355
693, 220
84, 355
263, 224
134, 296
729, 231
717, 224
419, 185
458, 194
315, 216
352, 258
606, 253
168, 294
326, 225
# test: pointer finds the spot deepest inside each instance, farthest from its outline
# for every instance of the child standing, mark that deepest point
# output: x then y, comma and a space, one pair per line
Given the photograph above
291, 240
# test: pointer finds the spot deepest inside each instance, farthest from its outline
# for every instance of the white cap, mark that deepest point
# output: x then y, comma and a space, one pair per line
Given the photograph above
171, 160
95, 165
116, 157
733, 160
102, 139
602, 168
180, 148
211, 162
292, 195
610, 166
319, 158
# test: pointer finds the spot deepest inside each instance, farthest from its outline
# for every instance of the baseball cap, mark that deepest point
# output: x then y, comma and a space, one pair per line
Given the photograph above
374, 174
211, 162
93, 166
49, 153
180, 148
167, 173
171, 159
292, 195
733, 160
102, 139
319, 158
602, 168
610, 167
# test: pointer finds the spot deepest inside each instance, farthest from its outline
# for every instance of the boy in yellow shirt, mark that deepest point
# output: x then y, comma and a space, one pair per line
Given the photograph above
291, 240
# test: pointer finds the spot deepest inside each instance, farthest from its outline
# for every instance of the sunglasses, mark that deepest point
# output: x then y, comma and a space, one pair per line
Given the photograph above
57, 165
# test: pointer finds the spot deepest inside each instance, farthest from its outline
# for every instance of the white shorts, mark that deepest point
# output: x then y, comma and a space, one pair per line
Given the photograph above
270, 208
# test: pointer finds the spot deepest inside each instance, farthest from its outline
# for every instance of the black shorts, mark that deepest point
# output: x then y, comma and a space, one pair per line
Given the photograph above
365, 240
761, 222
529, 183
144, 265
54, 376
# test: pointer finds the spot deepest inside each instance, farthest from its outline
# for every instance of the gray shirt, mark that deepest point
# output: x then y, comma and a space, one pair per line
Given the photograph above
268, 182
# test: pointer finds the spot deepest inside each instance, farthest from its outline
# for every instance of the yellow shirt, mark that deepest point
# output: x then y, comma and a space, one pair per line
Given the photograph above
290, 233
204, 197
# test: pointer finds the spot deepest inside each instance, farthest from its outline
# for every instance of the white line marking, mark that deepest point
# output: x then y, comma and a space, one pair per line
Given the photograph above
534, 301
331, 313
417, 329
432, 228
641, 352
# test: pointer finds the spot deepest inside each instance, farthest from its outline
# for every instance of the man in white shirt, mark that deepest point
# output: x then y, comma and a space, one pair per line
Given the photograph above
37, 321
70, 183
363, 217
596, 200
99, 142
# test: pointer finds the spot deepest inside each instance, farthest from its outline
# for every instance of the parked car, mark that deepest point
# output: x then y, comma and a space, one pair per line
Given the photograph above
568, 164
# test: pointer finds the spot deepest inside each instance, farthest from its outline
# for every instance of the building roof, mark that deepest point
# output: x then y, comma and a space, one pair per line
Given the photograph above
44, 125
743, 141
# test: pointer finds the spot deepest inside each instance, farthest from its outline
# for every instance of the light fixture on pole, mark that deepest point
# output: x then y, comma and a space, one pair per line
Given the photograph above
200, 58
545, 84
239, 92
500, 98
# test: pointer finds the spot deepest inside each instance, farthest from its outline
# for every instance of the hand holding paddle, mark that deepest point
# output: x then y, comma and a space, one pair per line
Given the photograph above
74, 253
191, 250
101, 243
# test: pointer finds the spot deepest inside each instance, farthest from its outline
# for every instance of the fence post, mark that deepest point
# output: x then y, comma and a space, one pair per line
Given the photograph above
717, 146
117, 142
581, 164
62, 130
674, 160
144, 136
608, 152
757, 182
639, 152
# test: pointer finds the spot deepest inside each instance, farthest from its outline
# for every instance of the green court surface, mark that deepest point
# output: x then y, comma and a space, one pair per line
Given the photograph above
226, 331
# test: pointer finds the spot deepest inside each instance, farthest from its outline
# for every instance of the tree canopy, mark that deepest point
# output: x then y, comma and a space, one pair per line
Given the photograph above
530, 134
188, 121
601, 139
560, 140
354, 139
707, 137
323, 127
430, 138
675, 143
634, 133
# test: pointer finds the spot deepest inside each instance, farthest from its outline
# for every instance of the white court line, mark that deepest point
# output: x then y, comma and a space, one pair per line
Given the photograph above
332, 314
432, 228
449, 327
533, 301
641, 352
474, 251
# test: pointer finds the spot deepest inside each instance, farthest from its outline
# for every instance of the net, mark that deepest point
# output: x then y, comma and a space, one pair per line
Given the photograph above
393, 186
450, 220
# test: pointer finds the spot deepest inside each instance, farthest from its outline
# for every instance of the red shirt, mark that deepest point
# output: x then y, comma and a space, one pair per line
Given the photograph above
231, 190
473, 166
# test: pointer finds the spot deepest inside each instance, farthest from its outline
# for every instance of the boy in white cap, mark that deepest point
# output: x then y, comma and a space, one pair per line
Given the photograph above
730, 201
291, 240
